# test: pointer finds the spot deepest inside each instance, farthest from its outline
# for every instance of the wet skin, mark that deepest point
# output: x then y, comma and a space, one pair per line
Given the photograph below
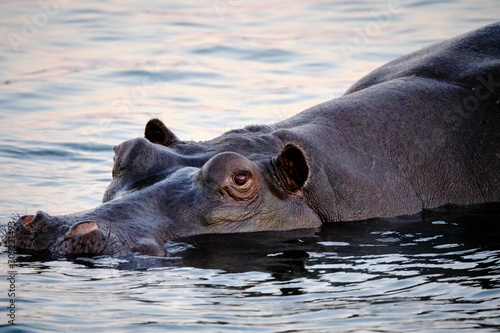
417, 133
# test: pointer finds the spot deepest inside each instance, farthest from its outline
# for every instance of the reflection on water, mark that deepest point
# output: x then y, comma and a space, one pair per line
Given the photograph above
77, 78
432, 272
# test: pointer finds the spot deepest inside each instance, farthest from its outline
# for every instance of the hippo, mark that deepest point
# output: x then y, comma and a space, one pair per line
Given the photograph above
420, 132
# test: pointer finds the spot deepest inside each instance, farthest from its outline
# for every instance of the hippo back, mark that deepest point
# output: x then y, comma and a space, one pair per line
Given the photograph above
461, 61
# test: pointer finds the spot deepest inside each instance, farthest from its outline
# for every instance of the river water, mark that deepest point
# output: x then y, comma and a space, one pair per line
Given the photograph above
77, 78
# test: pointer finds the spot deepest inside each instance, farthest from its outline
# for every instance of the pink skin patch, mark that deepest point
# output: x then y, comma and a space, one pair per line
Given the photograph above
26, 221
81, 228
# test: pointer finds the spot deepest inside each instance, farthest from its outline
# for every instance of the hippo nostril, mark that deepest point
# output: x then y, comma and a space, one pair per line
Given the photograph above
31, 222
36, 232
26, 219
81, 228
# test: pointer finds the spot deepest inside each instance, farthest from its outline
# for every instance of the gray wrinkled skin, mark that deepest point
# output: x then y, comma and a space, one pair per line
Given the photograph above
419, 132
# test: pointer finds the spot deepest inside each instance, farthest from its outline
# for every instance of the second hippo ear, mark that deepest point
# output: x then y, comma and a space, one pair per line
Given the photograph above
291, 168
157, 132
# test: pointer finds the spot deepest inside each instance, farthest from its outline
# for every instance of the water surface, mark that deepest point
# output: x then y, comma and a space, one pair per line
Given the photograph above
438, 272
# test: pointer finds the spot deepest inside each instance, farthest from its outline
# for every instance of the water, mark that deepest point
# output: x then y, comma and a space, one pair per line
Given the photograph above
433, 273
76, 78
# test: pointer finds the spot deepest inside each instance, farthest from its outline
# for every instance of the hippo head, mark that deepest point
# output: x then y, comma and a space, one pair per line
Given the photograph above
245, 180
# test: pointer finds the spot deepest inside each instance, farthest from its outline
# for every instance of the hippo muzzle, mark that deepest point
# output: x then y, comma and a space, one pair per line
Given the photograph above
42, 232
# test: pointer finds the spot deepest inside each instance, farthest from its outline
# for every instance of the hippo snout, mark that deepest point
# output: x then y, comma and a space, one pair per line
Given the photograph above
85, 238
42, 232
32, 232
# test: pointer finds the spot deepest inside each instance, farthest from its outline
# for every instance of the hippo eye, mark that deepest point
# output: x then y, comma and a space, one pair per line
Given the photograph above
240, 179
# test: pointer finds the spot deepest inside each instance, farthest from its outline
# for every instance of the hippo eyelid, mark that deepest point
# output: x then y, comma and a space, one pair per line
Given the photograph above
240, 179
244, 172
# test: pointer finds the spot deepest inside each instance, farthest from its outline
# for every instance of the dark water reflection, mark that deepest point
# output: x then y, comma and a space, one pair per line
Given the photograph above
438, 271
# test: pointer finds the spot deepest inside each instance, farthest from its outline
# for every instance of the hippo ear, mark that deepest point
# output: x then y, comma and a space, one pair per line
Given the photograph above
291, 168
157, 132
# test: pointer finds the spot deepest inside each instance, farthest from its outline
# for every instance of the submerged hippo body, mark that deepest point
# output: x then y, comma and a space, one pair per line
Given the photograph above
420, 132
